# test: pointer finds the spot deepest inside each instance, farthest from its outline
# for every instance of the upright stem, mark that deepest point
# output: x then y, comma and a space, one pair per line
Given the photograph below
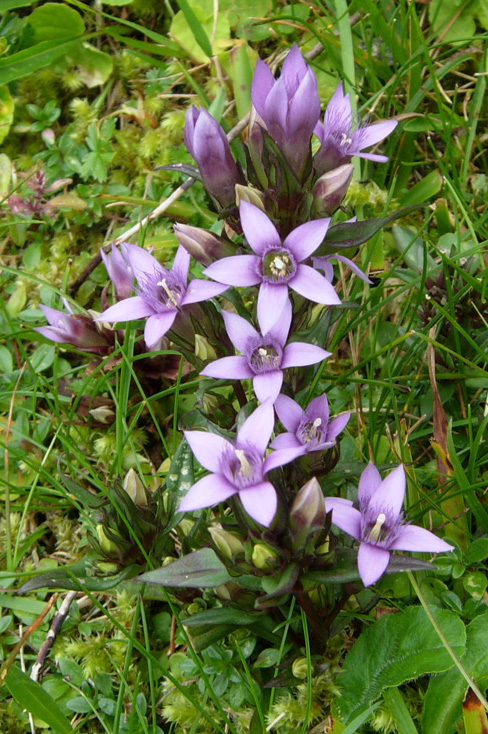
348, 69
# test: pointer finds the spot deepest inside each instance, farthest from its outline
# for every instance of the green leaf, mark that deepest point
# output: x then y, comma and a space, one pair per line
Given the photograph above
424, 190
55, 21
43, 357
397, 648
31, 696
477, 550
6, 361
6, 112
63, 579
26, 62
443, 700
412, 248
353, 234
12, 4
196, 27
95, 66
198, 570
441, 15
183, 32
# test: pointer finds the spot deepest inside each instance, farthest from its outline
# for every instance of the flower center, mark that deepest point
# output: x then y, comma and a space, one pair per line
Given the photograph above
278, 266
376, 529
265, 357
379, 528
243, 466
171, 295
311, 433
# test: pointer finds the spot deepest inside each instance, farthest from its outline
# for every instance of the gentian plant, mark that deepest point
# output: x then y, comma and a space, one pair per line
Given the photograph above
261, 528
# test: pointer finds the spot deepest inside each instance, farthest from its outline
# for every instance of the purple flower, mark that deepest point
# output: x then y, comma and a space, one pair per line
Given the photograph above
207, 143
119, 272
323, 263
378, 522
80, 330
238, 467
161, 294
309, 428
275, 264
289, 107
264, 356
341, 137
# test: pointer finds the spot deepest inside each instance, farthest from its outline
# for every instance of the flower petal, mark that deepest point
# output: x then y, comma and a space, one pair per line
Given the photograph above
289, 412
181, 263
337, 425
313, 286
281, 327
344, 515
282, 457
260, 502
206, 492
202, 290
259, 231
140, 261
262, 83
305, 239
228, 368
285, 441
257, 429
157, 326
318, 408
414, 538
127, 310
390, 493
372, 134
208, 448
238, 270
271, 302
369, 482
268, 385
372, 563
301, 354
239, 330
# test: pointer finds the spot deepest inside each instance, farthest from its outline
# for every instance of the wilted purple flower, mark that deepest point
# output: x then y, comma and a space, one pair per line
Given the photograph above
77, 329
264, 356
342, 137
378, 522
309, 428
289, 107
161, 294
276, 264
207, 143
238, 467
119, 272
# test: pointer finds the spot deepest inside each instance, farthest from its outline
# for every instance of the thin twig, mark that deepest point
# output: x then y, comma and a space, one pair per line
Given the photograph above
54, 630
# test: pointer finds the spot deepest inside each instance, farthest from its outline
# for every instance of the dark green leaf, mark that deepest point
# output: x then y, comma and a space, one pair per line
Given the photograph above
198, 570
196, 28
76, 578
397, 648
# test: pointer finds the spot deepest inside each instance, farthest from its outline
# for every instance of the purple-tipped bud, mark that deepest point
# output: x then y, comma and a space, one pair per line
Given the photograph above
307, 513
208, 145
119, 271
204, 246
289, 107
80, 330
330, 190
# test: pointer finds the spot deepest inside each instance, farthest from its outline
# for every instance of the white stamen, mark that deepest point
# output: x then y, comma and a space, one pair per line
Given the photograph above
263, 352
345, 140
168, 292
278, 262
246, 468
317, 422
375, 532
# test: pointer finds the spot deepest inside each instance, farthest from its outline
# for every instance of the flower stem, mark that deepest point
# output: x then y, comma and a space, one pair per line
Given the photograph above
442, 637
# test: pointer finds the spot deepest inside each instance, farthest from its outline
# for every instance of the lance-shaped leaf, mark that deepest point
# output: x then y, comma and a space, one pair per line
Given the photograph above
352, 234
198, 570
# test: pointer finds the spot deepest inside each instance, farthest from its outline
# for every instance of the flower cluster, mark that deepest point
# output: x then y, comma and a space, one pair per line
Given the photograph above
265, 269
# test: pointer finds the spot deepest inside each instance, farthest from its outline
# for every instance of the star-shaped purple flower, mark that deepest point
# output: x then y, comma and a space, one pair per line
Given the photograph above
161, 293
238, 467
309, 428
264, 356
276, 265
341, 137
378, 523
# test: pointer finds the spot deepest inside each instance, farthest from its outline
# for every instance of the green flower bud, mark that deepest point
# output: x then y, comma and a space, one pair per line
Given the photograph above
229, 544
108, 546
299, 668
253, 196
263, 556
203, 349
135, 488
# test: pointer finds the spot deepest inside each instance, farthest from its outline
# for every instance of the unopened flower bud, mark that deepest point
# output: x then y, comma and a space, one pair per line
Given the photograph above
103, 414
48, 136
307, 512
203, 349
204, 246
229, 544
108, 546
135, 488
185, 526
263, 556
253, 196
330, 190
299, 668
